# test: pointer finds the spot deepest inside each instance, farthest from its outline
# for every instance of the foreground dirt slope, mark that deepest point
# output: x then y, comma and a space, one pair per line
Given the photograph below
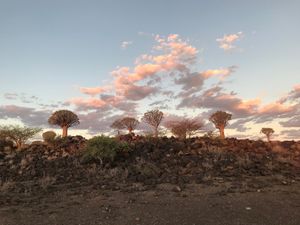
196, 204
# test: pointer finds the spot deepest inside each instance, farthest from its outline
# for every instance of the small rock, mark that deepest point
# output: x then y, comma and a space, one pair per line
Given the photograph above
177, 189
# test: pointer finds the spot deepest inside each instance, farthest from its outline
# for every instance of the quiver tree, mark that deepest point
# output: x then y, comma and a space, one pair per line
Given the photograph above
268, 132
177, 128
220, 120
193, 126
19, 135
184, 127
129, 123
118, 125
153, 118
64, 119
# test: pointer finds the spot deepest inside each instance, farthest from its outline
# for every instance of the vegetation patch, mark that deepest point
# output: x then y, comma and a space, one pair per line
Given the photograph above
104, 149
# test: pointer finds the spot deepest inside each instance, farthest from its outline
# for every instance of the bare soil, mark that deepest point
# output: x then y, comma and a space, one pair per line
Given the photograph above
166, 204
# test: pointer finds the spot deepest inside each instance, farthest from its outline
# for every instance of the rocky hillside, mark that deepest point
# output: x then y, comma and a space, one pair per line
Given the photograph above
149, 162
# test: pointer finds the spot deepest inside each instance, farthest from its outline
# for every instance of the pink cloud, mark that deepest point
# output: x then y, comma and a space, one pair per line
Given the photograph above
222, 72
177, 54
143, 71
249, 105
216, 99
227, 41
252, 110
174, 58
276, 108
92, 90
88, 102
172, 37
297, 87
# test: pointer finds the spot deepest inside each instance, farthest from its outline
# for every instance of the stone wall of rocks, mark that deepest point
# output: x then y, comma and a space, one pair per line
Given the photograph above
151, 161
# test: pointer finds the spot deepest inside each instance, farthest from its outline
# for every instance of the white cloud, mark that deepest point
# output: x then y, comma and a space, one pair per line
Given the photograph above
125, 44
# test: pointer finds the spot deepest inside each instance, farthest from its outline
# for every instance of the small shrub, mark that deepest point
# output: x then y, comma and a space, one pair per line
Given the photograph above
61, 142
211, 135
49, 136
102, 148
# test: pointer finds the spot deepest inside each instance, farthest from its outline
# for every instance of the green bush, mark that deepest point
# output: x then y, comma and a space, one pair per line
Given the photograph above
102, 148
49, 136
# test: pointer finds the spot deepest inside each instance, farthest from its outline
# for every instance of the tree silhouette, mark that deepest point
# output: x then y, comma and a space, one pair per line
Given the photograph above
220, 120
19, 135
118, 125
130, 123
65, 119
193, 126
268, 132
153, 118
184, 127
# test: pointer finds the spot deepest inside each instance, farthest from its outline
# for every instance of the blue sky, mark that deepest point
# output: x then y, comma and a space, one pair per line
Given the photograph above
49, 49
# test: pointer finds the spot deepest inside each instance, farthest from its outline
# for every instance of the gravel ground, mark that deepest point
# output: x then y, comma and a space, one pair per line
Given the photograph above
163, 205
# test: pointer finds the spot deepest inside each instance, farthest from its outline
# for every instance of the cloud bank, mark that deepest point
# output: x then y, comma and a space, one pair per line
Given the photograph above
169, 78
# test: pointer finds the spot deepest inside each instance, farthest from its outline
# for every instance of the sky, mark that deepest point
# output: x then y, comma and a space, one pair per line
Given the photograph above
107, 59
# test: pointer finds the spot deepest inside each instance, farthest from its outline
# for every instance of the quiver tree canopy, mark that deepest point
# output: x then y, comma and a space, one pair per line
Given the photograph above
118, 125
220, 120
268, 132
130, 123
64, 119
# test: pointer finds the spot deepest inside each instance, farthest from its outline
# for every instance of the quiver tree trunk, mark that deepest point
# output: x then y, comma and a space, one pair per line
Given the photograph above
222, 132
156, 132
65, 131
19, 144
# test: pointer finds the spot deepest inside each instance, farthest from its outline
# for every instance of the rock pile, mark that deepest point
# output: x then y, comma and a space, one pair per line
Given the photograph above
152, 162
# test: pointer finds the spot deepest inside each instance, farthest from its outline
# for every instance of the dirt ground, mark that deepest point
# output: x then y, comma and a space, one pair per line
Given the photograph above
163, 205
